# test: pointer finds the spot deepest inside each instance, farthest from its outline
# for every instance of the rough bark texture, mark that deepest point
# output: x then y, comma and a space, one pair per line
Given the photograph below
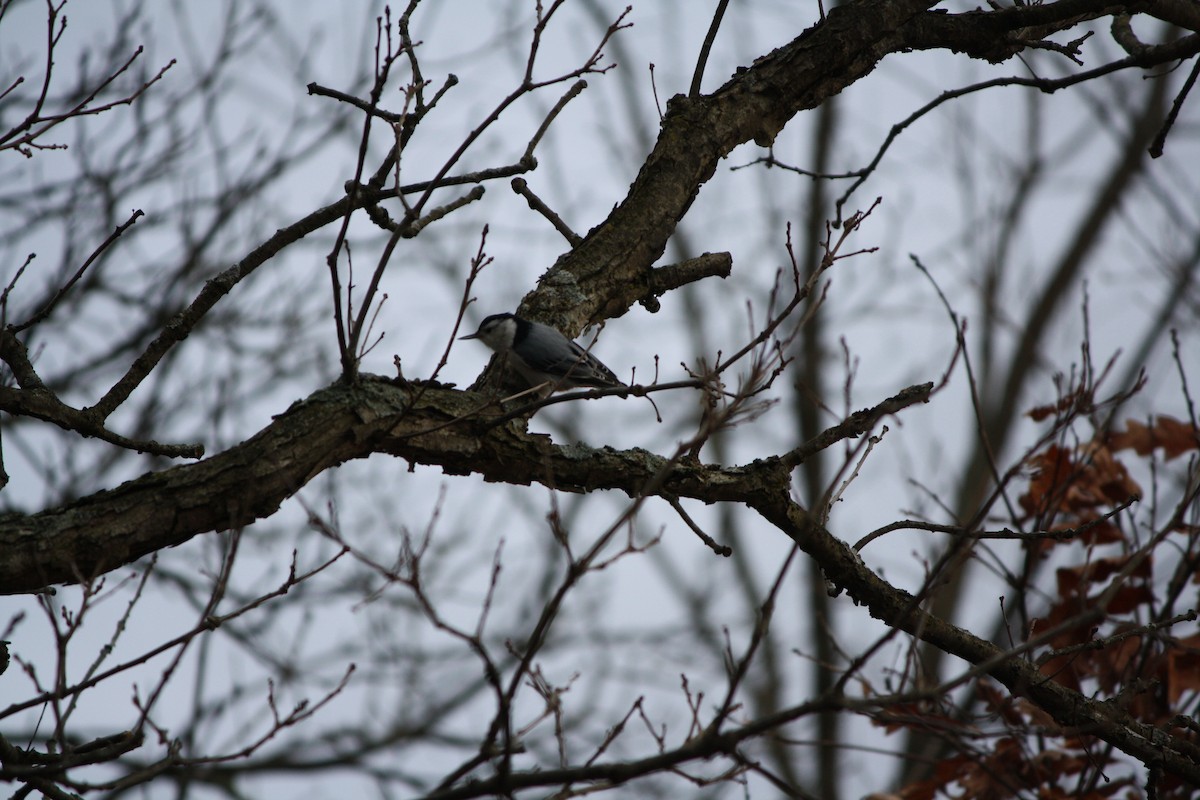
342, 422
599, 279
428, 424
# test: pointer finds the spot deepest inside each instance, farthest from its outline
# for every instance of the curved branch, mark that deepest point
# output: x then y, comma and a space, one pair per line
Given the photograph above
898, 608
34, 399
601, 274
343, 422
424, 424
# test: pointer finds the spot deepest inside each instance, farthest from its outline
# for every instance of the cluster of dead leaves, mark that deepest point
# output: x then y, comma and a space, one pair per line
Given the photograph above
1151, 671
1009, 768
1093, 639
1174, 437
1075, 487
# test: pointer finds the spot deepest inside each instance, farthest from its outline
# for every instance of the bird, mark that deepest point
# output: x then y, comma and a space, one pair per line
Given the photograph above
542, 355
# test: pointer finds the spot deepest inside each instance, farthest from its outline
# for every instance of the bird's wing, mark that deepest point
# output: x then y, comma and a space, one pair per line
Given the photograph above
587, 369
580, 367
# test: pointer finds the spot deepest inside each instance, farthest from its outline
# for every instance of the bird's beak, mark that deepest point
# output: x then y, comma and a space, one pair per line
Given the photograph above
471, 336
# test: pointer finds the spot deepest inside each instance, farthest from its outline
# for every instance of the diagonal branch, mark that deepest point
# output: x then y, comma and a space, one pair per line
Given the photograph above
34, 399
344, 422
697, 132
425, 424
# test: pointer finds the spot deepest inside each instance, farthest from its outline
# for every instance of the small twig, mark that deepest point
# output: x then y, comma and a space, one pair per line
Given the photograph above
118, 629
479, 176
761, 629
702, 60
25, 143
368, 345
206, 623
1063, 535
567, 97
478, 262
216, 596
1181, 48
770, 161
34, 399
409, 47
615, 731
1160, 139
341, 316
8, 289
1070, 49
66, 287
654, 89
589, 394
299, 713
12, 87
832, 255
1184, 386
521, 187
719, 549
871, 442
857, 423
1100, 644
365, 106
417, 226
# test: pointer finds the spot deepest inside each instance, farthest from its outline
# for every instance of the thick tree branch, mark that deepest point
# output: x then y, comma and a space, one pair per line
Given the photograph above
606, 274
600, 278
34, 399
343, 422
894, 607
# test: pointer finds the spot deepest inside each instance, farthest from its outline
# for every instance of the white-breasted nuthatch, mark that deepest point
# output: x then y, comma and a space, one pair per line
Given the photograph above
542, 355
